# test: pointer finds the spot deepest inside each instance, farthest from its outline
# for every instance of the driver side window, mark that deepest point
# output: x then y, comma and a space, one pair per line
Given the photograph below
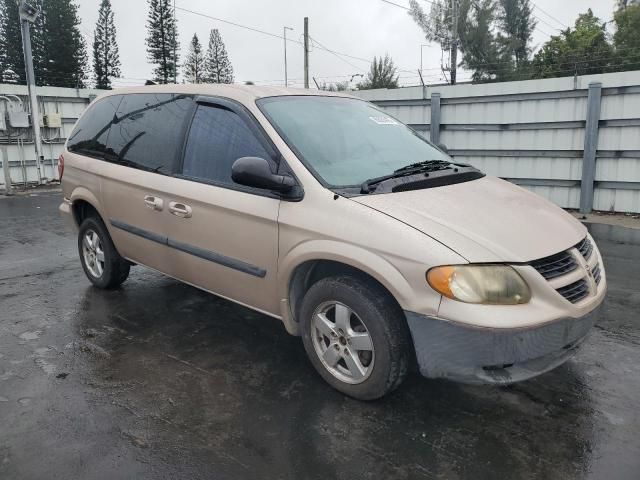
217, 138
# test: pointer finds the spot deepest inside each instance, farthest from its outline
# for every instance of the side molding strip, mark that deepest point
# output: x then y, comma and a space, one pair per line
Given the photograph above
154, 237
217, 258
192, 250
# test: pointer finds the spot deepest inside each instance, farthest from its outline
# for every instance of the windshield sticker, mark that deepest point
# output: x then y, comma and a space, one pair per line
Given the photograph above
382, 120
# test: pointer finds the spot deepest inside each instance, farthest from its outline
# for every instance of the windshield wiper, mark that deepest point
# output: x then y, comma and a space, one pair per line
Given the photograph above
426, 166
420, 167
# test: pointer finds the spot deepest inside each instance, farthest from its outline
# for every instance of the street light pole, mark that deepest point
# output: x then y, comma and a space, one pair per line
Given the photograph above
29, 14
175, 46
306, 52
284, 29
421, 47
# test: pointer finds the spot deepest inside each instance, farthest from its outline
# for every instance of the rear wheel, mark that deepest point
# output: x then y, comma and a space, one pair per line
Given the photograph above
101, 262
355, 336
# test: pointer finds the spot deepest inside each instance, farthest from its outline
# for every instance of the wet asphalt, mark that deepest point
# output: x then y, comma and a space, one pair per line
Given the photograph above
160, 380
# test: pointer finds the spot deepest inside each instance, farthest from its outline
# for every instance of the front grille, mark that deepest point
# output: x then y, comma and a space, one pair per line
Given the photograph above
585, 247
596, 273
575, 291
555, 265
563, 263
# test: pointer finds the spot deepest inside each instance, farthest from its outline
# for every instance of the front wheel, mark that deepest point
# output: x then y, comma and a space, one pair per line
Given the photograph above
355, 336
101, 262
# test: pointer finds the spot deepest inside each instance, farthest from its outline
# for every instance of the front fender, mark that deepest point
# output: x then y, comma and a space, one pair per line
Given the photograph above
364, 260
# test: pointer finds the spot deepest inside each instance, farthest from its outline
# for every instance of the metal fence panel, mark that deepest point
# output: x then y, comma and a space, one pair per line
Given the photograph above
16, 145
536, 133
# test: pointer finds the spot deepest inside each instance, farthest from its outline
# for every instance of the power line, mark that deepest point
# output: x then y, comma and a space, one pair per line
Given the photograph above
274, 35
396, 5
545, 22
338, 54
246, 27
263, 32
313, 40
423, 26
549, 15
281, 37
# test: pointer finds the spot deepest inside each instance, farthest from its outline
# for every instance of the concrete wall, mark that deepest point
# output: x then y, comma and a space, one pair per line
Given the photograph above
534, 133
16, 145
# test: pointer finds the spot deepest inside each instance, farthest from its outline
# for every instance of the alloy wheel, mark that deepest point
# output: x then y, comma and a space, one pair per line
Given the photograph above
93, 253
342, 342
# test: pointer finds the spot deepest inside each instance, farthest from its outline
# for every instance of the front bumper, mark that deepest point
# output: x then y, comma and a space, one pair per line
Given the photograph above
491, 355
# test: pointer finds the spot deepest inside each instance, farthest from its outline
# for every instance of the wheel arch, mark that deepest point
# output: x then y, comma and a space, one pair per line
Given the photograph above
83, 203
302, 269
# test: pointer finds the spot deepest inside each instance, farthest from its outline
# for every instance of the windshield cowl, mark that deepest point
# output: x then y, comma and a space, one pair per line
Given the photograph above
419, 180
426, 167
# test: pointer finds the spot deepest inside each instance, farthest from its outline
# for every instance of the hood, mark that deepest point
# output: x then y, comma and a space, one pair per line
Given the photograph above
484, 220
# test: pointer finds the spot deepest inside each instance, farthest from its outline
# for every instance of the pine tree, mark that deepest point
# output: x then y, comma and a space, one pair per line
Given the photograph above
65, 59
480, 51
11, 54
194, 64
162, 40
516, 26
3, 53
383, 74
59, 52
106, 59
11, 57
217, 67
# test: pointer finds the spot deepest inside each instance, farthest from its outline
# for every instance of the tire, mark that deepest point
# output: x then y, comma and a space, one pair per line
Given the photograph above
112, 270
370, 310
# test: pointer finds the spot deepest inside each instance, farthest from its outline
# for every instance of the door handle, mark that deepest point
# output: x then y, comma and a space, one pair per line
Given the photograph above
154, 203
180, 209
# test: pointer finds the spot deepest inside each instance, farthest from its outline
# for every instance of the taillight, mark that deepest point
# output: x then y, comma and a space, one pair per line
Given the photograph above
60, 167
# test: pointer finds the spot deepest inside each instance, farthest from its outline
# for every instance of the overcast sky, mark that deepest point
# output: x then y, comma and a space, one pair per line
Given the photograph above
360, 28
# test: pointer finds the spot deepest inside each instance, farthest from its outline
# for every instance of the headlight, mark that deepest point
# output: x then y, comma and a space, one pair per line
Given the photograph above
488, 284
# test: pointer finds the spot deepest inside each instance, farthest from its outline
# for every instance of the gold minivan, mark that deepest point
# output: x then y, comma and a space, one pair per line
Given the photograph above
323, 211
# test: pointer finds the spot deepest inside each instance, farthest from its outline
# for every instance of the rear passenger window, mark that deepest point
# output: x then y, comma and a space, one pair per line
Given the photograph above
149, 130
217, 138
89, 137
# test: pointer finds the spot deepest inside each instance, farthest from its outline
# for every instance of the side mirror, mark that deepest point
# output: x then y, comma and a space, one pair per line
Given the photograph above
443, 147
256, 172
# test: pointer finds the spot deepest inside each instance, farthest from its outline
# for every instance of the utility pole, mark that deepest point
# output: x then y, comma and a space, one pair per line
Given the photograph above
286, 83
306, 52
454, 40
175, 45
28, 15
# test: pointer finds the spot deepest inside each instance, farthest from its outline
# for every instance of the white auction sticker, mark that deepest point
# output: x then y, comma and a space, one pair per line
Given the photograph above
382, 120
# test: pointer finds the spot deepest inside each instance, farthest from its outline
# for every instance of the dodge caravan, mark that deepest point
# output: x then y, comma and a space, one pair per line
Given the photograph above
321, 210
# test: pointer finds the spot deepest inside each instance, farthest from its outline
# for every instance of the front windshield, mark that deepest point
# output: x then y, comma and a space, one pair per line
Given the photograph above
346, 141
